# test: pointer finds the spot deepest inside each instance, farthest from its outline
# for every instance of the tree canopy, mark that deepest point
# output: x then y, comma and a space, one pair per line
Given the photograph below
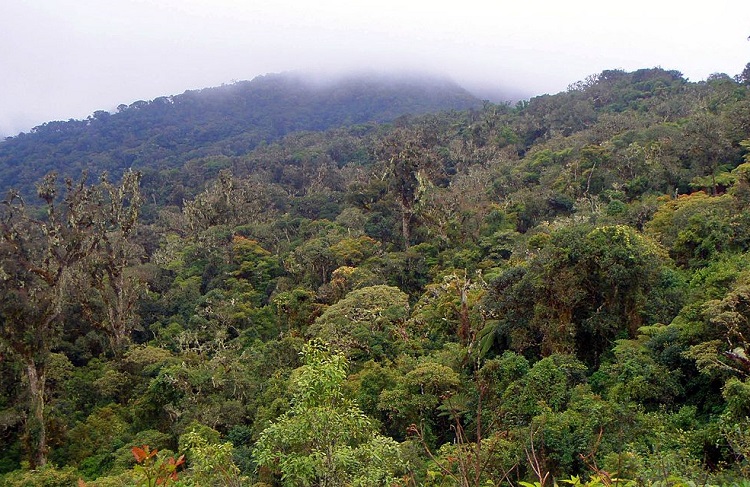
551, 291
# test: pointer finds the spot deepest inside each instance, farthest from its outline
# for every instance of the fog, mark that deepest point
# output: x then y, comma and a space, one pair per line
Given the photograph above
62, 59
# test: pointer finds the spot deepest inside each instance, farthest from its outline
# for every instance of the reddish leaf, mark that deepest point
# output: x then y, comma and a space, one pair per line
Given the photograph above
139, 453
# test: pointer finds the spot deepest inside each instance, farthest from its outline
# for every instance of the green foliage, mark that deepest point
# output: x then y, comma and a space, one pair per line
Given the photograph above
597, 480
366, 323
40, 261
47, 476
735, 431
583, 289
210, 461
206, 126
522, 293
737, 394
94, 441
696, 227
546, 386
296, 309
426, 384
567, 437
123, 456
634, 375
449, 310
325, 439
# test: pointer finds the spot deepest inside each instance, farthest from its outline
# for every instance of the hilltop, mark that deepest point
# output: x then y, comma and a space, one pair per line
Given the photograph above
228, 120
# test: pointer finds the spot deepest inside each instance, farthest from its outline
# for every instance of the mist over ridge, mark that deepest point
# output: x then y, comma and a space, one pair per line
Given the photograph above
227, 120
315, 81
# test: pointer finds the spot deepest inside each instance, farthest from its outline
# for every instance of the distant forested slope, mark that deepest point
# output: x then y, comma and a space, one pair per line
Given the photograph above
227, 120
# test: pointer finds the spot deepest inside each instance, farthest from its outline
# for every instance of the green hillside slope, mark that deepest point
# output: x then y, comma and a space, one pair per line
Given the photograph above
227, 120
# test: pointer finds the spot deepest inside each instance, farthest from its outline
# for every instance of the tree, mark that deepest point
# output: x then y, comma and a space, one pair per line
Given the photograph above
367, 322
325, 439
114, 280
229, 201
727, 328
210, 461
411, 162
38, 259
696, 228
744, 77
450, 309
583, 290
708, 146
417, 395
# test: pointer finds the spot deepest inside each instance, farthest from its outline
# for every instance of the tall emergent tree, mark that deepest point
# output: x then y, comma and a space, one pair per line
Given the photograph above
115, 282
40, 251
411, 164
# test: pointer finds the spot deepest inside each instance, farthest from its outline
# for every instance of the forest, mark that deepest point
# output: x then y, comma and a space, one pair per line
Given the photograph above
170, 132
552, 292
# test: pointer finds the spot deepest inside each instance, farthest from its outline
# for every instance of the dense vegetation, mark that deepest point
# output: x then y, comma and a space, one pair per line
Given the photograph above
556, 290
229, 120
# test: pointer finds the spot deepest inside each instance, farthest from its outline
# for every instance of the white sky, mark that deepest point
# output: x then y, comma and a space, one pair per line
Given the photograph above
62, 59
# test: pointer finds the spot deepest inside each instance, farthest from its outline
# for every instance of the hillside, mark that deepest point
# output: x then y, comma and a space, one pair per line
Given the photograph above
556, 291
228, 120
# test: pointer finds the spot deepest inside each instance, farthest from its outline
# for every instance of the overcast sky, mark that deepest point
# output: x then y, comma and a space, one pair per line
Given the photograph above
62, 59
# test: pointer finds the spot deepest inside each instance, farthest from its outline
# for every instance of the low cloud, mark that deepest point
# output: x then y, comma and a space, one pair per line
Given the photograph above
68, 58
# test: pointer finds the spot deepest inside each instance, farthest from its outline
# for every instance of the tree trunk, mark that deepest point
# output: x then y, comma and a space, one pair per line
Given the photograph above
406, 214
117, 313
37, 434
464, 329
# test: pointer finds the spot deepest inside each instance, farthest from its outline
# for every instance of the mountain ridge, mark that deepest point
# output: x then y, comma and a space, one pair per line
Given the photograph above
237, 117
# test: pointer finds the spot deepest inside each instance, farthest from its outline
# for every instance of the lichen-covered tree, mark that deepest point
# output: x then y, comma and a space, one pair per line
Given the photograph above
40, 252
115, 279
